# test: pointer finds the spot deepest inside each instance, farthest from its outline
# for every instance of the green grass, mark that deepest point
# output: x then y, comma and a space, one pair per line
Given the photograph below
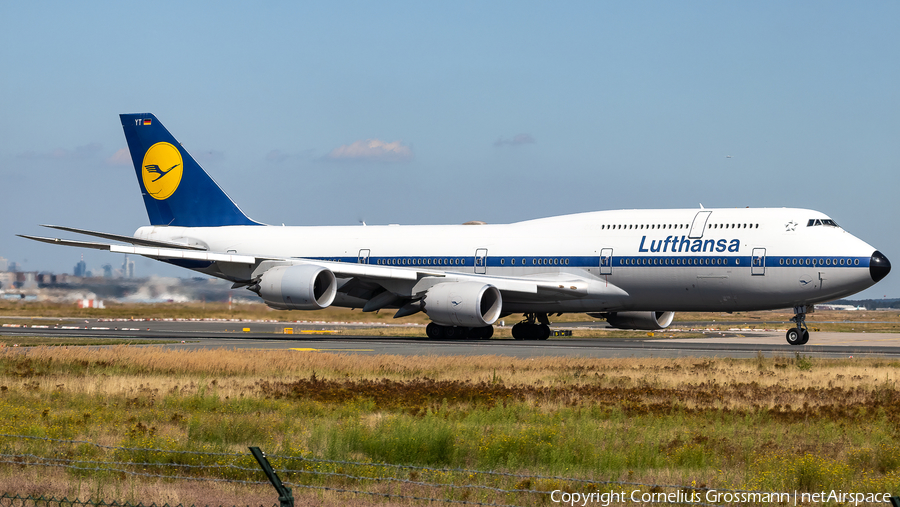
779, 424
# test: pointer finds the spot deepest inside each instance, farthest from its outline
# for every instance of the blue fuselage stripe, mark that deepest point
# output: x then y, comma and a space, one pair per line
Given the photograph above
625, 261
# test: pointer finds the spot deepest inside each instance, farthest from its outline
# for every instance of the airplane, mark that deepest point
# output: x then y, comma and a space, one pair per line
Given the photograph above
634, 268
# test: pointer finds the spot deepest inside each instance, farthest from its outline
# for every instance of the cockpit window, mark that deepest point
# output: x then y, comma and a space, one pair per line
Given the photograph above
823, 221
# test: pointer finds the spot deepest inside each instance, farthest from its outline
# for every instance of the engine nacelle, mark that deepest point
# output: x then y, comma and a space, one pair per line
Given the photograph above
640, 320
467, 304
302, 287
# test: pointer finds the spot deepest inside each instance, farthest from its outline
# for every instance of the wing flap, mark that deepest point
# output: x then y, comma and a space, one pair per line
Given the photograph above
345, 270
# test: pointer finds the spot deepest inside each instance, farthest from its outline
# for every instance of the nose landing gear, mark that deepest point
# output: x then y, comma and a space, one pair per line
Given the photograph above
800, 334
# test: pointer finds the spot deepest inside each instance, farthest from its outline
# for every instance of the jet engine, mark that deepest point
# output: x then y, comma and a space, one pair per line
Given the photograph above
638, 320
466, 304
302, 287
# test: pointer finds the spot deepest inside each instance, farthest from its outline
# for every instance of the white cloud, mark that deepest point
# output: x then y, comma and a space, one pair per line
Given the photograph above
121, 157
372, 149
517, 140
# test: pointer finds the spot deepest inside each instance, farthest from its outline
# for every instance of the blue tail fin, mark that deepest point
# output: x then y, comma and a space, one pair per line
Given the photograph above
176, 190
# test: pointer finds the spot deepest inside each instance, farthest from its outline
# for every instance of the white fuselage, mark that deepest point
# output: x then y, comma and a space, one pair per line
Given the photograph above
666, 260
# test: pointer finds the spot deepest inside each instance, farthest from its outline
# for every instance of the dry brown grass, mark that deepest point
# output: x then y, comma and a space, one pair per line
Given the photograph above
57, 484
692, 382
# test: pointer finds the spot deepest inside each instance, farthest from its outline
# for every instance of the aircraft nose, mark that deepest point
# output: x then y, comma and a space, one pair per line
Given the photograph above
879, 266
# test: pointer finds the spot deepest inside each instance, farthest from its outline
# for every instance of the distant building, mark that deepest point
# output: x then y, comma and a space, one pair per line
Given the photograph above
29, 281
14, 267
848, 308
128, 268
80, 268
107, 271
3, 264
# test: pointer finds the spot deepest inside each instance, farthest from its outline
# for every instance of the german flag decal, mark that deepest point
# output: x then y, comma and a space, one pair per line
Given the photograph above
147, 121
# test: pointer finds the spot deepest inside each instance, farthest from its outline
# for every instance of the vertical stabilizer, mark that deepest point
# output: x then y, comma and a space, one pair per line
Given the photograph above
176, 190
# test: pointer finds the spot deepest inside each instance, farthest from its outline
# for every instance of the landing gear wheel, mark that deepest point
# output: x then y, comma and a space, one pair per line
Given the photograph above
795, 336
480, 333
543, 332
536, 326
452, 333
434, 331
520, 331
485, 333
805, 337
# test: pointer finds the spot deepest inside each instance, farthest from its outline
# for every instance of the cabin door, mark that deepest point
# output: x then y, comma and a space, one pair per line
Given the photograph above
481, 261
699, 224
758, 262
606, 255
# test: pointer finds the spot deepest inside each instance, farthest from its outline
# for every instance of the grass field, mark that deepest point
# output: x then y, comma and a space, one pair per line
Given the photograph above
773, 424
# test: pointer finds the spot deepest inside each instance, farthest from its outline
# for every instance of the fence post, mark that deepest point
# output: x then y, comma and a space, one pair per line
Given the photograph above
284, 493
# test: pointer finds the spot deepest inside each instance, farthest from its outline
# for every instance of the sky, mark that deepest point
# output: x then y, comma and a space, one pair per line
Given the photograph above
333, 113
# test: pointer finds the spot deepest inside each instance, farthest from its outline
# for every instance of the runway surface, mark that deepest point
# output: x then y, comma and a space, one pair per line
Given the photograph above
322, 337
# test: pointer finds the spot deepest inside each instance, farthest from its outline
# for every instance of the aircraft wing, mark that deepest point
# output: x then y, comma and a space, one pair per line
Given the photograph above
406, 282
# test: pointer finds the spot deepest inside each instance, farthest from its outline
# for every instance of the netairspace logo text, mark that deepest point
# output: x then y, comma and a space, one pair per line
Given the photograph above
713, 496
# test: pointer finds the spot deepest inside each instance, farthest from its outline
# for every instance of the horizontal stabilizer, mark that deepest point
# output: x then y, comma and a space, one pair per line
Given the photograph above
154, 253
68, 242
125, 239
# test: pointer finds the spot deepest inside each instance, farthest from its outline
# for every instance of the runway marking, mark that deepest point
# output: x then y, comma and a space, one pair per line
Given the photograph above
330, 350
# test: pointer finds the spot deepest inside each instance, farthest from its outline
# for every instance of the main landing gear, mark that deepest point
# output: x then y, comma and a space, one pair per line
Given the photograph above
528, 329
439, 332
800, 334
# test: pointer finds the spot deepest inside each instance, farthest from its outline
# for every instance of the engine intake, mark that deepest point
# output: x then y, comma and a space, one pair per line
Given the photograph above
648, 321
303, 287
468, 304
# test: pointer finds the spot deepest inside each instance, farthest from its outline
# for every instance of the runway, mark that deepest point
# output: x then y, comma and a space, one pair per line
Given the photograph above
331, 338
